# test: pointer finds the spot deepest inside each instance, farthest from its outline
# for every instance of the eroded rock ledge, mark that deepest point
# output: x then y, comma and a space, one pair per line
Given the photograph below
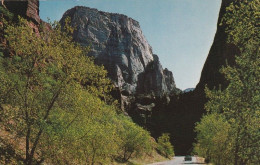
25, 8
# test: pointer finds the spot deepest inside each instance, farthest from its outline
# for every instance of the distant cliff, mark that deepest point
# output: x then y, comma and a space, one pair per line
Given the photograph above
117, 42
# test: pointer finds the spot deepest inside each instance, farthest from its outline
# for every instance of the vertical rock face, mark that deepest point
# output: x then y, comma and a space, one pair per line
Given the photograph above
185, 110
25, 8
220, 53
118, 43
156, 80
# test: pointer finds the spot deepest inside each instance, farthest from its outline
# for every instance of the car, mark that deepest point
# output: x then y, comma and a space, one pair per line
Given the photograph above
187, 158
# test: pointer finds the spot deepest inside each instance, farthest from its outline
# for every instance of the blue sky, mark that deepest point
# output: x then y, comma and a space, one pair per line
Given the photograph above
180, 31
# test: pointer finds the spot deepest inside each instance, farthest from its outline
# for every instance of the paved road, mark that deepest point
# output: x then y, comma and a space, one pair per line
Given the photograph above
179, 160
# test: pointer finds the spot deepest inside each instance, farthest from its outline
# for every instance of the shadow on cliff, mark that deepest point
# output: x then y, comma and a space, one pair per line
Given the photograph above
178, 118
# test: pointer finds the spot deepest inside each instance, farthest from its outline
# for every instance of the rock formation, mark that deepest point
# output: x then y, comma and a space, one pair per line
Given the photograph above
144, 87
220, 53
180, 115
26, 8
117, 42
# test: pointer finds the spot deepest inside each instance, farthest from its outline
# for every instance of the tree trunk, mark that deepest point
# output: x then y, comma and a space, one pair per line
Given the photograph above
93, 157
236, 162
3, 3
34, 146
27, 144
29, 156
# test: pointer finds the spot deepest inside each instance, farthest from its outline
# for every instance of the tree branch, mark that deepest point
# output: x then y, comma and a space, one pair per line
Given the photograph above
41, 129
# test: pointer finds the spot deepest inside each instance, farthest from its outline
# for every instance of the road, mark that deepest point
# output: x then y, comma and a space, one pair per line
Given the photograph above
180, 160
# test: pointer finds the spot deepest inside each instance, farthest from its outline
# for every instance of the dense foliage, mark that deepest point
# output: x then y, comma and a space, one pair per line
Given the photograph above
55, 98
230, 134
164, 146
5, 13
135, 141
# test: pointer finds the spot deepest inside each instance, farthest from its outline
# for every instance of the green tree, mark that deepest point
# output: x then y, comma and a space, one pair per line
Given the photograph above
45, 82
212, 139
164, 146
55, 97
135, 141
239, 103
5, 13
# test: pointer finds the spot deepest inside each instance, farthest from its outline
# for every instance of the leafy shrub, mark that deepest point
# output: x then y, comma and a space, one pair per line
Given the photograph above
164, 146
212, 135
135, 140
7, 15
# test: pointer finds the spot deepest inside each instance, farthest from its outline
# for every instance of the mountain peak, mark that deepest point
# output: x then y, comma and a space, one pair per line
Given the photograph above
118, 43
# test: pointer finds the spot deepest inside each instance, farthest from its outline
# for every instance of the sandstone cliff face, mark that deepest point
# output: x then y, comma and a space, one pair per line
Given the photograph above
26, 8
118, 43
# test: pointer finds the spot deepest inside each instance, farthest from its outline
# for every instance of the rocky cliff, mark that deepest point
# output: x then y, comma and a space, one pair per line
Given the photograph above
220, 53
26, 8
180, 115
117, 42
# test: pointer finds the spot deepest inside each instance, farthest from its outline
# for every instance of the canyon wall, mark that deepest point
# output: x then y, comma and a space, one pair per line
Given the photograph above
26, 8
145, 89
117, 42
221, 52
179, 117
